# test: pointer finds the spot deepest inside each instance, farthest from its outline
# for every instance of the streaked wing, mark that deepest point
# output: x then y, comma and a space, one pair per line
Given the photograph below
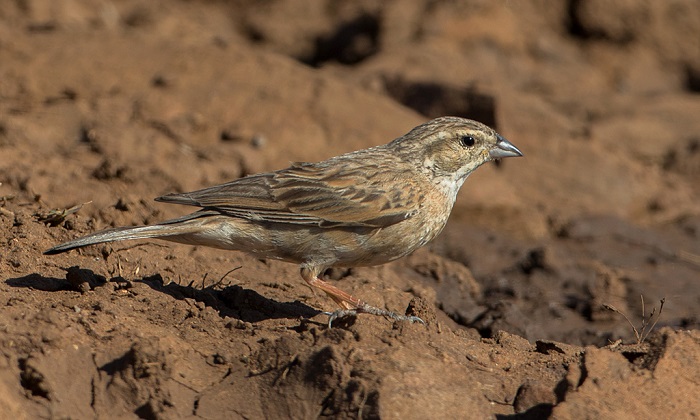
322, 194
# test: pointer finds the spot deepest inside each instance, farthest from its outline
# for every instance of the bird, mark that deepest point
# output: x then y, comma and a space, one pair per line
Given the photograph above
362, 208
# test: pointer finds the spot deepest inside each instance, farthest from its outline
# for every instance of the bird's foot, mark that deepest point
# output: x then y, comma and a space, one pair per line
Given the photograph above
364, 308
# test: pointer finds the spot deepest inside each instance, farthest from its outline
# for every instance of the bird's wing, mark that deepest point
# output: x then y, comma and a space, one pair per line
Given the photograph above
320, 194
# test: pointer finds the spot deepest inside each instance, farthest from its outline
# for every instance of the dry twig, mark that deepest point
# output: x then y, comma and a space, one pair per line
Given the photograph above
647, 325
57, 216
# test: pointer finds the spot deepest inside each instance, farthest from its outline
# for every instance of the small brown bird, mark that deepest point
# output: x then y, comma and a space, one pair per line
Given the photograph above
361, 208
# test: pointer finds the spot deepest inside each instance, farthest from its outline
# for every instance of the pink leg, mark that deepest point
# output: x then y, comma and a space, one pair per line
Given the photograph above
344, 299
350, 305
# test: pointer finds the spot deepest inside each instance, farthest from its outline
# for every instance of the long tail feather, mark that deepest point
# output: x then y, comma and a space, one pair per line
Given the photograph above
111, 235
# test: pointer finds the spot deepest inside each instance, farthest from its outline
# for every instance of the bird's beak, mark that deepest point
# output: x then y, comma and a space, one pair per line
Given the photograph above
504, 149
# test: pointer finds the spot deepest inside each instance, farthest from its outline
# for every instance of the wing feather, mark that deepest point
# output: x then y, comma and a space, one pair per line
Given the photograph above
330, 193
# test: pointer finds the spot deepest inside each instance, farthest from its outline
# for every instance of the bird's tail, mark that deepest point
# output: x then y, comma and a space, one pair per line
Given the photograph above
180, 229
111, 235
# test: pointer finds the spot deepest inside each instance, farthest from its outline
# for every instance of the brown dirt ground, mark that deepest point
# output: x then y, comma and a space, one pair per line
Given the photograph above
113, 102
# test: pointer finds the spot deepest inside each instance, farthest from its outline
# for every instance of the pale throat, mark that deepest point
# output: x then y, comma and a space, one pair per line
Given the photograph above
450, 185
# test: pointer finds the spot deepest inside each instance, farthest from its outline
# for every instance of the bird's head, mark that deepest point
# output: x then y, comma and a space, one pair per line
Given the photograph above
453, 147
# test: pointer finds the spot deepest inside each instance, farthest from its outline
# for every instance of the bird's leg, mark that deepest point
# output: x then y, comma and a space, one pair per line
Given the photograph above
344, 299
350, 305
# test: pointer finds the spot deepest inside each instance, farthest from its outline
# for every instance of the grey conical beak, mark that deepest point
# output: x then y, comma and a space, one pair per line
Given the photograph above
504, 149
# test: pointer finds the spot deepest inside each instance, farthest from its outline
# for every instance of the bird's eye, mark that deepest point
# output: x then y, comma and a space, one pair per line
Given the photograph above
466, 141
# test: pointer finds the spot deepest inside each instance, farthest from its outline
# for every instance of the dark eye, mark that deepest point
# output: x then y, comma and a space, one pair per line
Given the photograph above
466, 141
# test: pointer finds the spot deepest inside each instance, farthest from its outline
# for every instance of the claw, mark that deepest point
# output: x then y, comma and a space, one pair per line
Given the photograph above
340, 313
412, 319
